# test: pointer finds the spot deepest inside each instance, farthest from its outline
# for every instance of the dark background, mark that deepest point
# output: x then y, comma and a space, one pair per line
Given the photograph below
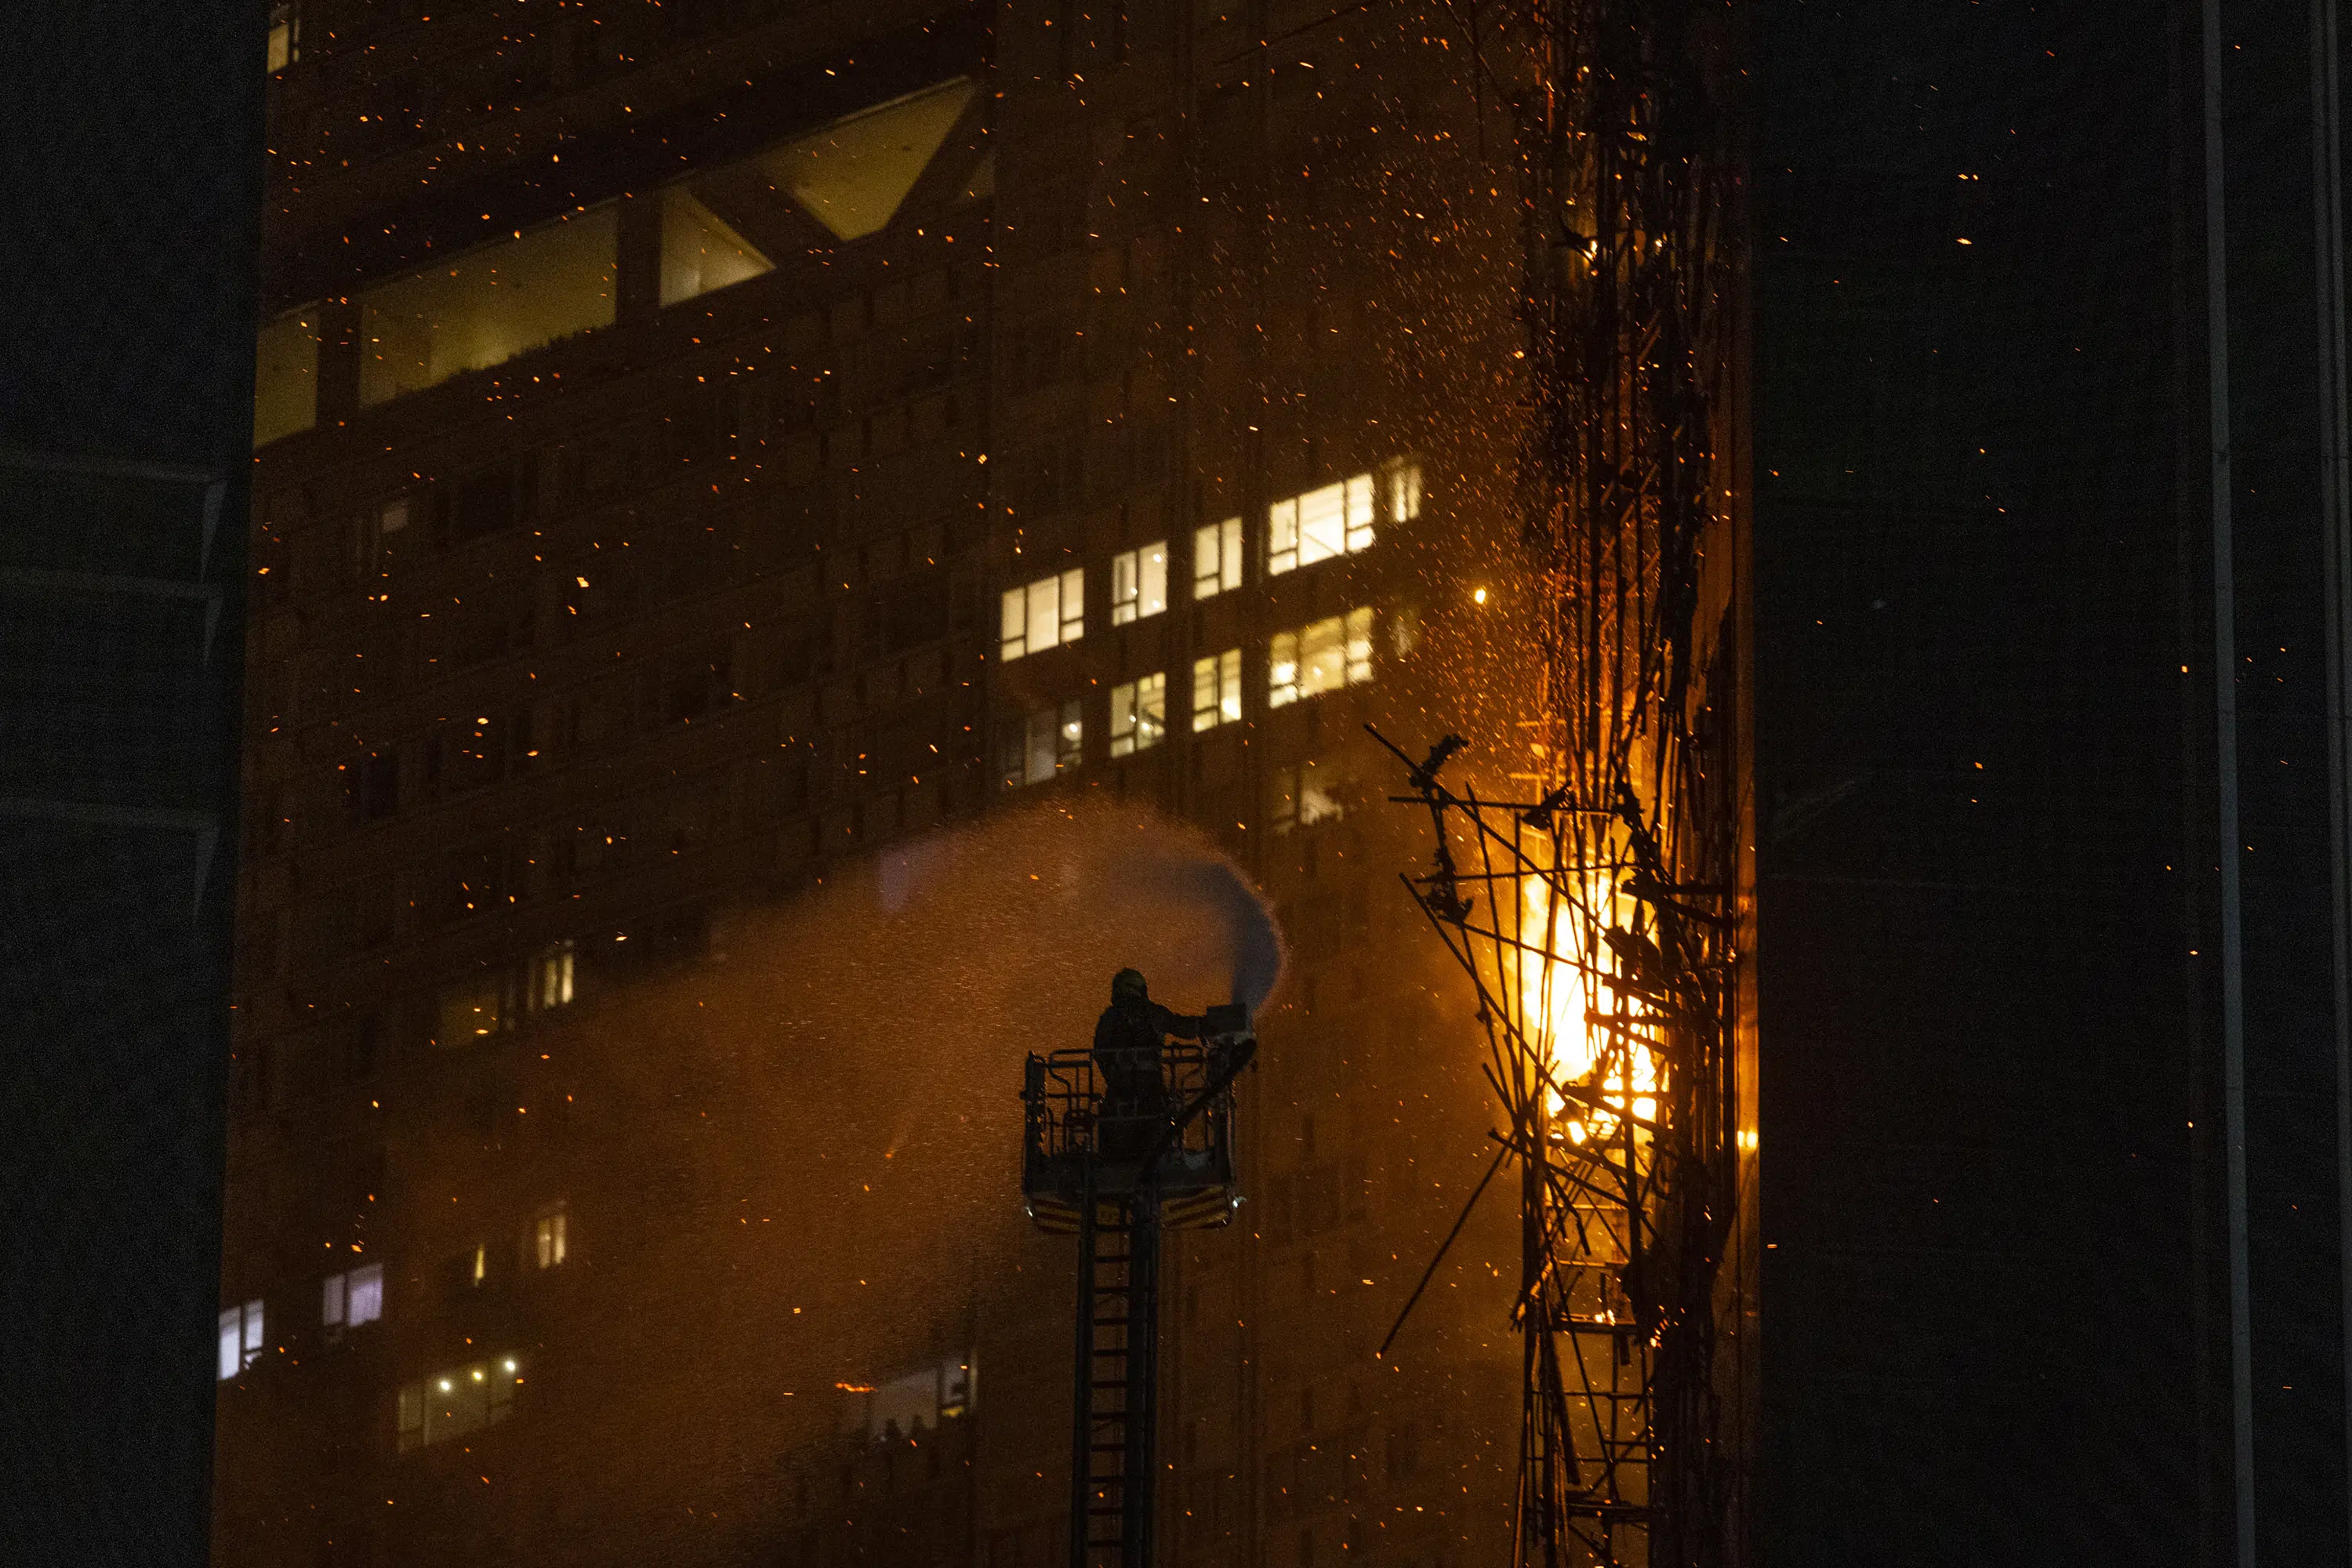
1995, 1302
131, 164
1993, 1294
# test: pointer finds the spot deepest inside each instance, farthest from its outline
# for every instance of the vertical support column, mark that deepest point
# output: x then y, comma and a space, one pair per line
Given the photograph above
1142, 1375
2226, 832
1081, 1376
2336, 551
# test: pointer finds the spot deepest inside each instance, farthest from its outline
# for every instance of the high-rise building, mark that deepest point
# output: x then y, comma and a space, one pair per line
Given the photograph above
784, 538
719, 471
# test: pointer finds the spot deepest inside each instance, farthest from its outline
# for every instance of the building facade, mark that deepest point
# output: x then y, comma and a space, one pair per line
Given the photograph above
720, 467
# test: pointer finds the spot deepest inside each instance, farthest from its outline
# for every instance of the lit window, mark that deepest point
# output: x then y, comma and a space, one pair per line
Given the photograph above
285, 36
353, 1298
700, 252
853, 175
486, 306
1319, 525
551, 978
286, 375
1322, 656
1303, 795
1337, 519
1139, 584
453, 1402
1216, 689
548, 1237
1049, 612
1401, 480
240, 1338
366, 1298
918, 1402
1047, 741
1217, 558
1139, 714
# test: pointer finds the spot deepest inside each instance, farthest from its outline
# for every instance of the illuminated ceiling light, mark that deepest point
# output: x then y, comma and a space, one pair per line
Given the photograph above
853, 175
1479, 598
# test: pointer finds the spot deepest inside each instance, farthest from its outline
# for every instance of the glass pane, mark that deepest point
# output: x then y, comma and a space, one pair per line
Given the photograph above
1322, 527
1206, 569
1122, 720
1360, 645
1123, 588
852, 176
1073, 603
1152, 592
1045, 613
1041, 746
700, 252
486, 306
1281, 670
286, 377
1013, 623
1360, 511
1282, 537
1150, 710
1405, 492
366, 1297
1322, 657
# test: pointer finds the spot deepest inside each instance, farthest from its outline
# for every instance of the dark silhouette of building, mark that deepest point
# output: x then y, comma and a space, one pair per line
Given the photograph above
124, 383
1996, 991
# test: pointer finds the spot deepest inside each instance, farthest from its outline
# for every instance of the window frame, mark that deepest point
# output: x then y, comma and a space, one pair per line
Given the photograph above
1139, 584
1216, 690
1218, 546
1139, 714
1054, 606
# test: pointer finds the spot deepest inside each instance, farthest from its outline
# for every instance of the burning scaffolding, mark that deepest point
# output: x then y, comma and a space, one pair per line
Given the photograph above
1596, 916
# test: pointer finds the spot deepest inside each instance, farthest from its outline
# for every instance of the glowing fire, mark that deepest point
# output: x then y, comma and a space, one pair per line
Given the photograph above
1562, 989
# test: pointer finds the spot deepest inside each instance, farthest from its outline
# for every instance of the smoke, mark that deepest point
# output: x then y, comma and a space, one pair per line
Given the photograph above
1166, 871
1121, 873
810, 1138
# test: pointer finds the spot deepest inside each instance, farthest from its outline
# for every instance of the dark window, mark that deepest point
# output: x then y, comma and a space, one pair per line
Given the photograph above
487, 501
373, 784
908, 612
697, 683
474, 753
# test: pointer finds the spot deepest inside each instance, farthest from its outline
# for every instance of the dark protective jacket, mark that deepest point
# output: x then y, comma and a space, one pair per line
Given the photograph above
1127, 1037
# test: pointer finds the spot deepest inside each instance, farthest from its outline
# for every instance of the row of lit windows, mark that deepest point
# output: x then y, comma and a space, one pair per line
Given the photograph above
1338, 519
352, 1297
488, 305
461, 1400
346, 1300
1322, 656
492, 1000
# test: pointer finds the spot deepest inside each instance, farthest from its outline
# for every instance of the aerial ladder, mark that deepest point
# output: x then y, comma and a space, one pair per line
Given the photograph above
1115, 1173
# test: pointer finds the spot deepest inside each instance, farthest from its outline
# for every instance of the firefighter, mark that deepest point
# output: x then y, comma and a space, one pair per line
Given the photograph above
1127, 1039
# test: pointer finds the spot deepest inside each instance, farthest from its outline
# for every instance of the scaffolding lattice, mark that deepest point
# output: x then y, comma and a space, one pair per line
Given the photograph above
1597, 919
